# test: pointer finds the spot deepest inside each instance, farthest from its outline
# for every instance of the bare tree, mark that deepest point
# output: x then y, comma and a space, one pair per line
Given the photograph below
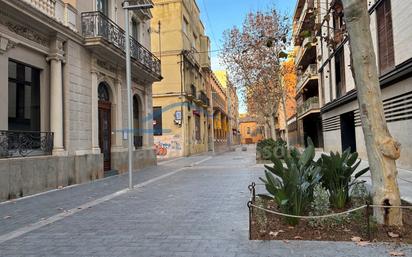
251, 56
382, 149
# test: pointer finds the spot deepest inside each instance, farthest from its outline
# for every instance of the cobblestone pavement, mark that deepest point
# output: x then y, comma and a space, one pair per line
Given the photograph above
195, 207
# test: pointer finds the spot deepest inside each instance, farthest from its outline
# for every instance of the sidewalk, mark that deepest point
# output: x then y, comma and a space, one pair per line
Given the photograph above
199, 211
404, 179
28, 210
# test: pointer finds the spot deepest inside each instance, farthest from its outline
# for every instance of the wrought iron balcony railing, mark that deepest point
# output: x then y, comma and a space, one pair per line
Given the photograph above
97, 25
203, 98
309, 104
25, 143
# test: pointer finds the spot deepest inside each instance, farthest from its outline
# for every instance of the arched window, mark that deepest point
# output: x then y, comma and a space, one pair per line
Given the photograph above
103, 92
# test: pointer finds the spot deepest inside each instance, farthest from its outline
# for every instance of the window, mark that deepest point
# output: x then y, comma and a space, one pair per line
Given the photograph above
157, 121
185, 25
197, 127
24, 97
340, 74
194, 43
248, 131
135, 29
103, 6
385, 37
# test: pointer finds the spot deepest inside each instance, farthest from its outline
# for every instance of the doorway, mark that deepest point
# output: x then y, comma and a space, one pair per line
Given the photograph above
105, 134
348, 134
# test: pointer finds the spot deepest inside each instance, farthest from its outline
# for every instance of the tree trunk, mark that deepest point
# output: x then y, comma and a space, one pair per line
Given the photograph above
272, 127
285, 118
267, 134
382, 149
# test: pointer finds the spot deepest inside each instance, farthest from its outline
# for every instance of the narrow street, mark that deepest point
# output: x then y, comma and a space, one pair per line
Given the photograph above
185, 207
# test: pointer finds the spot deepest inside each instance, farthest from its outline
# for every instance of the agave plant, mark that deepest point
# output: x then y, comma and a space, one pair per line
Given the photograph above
292, 186
337, 171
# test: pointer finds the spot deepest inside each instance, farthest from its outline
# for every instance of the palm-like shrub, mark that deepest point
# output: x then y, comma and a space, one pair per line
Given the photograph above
292, 186
337, 171
268, 148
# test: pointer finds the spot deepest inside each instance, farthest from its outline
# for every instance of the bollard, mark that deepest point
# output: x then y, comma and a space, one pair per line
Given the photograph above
249, 205
254, 192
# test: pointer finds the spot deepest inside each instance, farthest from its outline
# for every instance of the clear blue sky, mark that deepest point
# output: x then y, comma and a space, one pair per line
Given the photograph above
219, 15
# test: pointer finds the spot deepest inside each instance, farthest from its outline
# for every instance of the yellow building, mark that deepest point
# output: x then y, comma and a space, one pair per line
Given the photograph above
220, 116
180, 100
250, 131
232, 106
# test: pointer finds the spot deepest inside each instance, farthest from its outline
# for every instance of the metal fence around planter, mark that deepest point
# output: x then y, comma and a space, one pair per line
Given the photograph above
251, 204
25, 143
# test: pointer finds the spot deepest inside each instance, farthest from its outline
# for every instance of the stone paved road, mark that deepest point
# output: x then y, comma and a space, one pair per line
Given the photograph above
200, 210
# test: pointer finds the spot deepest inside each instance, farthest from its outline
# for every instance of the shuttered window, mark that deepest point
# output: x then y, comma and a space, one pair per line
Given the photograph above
385, 37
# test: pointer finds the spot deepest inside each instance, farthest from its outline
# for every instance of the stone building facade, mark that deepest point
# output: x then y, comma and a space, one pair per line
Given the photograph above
391, 33
220, 117
250, 131
180, 100
232, 106
62, 110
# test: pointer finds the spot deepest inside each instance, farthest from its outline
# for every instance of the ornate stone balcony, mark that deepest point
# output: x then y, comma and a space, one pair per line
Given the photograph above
56, 9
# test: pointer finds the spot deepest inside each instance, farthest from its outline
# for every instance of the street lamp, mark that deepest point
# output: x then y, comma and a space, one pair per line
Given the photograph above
126, 8
213, 123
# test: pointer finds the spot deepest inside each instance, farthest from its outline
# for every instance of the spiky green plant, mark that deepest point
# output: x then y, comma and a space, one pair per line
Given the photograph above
292, 186
337, 171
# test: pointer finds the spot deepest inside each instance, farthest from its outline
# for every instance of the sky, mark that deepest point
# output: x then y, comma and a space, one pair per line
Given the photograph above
220, 15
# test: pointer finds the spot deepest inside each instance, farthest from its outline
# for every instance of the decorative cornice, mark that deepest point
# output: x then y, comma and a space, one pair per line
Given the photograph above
25, 32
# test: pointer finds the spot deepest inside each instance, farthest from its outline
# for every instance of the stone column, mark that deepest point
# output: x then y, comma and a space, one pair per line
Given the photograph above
95, 112
147, 124
56, 58
119, 115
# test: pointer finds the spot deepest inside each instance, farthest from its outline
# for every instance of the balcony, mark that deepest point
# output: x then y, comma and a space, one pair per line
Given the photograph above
58, 10
191, 95
203, 99
309, 106
307, 52
302, 23
218, 103
14, 144
100, 33
311, 73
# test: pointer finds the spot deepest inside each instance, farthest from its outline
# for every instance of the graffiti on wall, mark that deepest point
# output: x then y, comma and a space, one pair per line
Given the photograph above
168, 146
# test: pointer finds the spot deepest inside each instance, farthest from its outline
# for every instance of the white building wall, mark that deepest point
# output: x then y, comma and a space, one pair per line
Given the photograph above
400, 130
402, 34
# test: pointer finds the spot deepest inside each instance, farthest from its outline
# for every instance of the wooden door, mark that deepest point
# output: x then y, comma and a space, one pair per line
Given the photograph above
105, 134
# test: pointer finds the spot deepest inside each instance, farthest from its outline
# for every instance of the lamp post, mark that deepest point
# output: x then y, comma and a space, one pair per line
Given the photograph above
126, 8
213, 123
